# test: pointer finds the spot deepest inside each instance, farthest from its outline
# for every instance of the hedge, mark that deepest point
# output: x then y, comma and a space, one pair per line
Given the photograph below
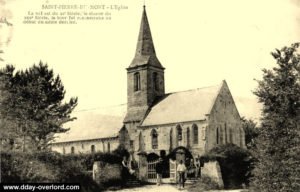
44, 167
236, 164
48, 166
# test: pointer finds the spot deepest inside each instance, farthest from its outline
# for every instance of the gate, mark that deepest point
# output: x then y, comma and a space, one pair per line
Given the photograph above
151, 176
173, 171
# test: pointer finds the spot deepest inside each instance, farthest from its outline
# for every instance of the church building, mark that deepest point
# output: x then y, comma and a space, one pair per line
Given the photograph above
191, 122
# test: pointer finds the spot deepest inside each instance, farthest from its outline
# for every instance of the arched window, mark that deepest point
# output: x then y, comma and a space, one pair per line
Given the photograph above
179, 133
72, 150
108, 147
196, 135
93, 148
154, 139
155, 81
188, 136
137, 81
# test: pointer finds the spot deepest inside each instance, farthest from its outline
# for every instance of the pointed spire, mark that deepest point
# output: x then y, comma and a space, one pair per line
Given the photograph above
145, 44
145, 52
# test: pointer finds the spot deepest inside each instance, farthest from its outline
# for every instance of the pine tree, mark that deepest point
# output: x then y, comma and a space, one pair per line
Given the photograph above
278, 150
35, 105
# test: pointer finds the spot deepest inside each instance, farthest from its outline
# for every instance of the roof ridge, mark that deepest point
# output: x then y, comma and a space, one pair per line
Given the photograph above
195, 89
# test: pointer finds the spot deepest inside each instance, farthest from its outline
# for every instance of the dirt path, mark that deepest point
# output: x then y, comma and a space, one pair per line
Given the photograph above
164, 188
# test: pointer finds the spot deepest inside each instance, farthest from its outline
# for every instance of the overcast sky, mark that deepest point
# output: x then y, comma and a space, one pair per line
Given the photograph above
199, 42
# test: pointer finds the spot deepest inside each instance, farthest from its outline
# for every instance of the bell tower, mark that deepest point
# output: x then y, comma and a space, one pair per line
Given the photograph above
145, 76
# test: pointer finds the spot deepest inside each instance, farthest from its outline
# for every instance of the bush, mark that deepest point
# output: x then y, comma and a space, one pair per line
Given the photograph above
44, 167
87, 160
236, 164
48, 166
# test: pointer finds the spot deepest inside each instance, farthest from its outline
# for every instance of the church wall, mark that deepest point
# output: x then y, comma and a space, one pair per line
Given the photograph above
164, 139
132, 133
224, 122
85, 146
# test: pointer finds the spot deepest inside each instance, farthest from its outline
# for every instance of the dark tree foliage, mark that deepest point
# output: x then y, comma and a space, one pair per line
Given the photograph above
8, 129
34, 103
251, 132
278, 150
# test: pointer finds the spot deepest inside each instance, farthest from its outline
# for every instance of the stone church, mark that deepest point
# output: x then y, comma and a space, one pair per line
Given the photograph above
156, 122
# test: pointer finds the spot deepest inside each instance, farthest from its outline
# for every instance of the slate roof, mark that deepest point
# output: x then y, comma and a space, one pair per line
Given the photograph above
175, 107
94, 124
183, 106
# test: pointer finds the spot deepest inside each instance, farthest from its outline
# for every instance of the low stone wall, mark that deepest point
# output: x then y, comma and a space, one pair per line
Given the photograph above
103, 172
212, 170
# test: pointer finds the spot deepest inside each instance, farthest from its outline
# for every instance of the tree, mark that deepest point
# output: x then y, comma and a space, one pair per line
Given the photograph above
7, 128
278, 141
251, 132
35, 105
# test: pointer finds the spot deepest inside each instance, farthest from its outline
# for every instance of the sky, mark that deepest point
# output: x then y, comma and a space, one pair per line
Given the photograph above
199, 42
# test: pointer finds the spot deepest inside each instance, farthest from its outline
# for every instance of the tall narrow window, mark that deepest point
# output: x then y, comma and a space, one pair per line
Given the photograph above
72, 150
225, 127
179, 133
108, 147
131, 143
171, 139
155, 81
137, 81
64, 150
217, 135
93, 148
221, 132
154, 139
195, 130
230, 136
241, 137
103, 147
188, 137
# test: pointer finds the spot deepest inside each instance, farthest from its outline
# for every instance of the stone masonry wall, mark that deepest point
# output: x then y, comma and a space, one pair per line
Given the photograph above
225, 125
164, 139
212, 170
101, 145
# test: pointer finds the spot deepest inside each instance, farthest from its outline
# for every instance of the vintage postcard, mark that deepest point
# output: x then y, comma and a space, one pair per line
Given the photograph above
143, 89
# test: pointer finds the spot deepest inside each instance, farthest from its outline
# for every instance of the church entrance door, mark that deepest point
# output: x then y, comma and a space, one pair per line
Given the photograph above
152, 160
152, 171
